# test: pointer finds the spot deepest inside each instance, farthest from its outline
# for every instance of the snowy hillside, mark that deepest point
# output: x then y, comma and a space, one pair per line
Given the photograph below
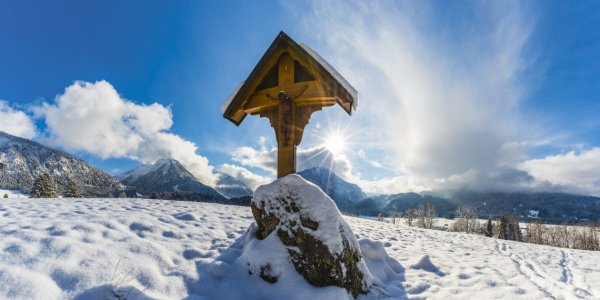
70, 248
165, 175
22, 160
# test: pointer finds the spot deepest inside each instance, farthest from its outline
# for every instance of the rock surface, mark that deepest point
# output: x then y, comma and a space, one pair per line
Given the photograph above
320, 244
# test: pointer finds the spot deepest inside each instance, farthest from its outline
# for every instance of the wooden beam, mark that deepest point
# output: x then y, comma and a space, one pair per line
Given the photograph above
259, 100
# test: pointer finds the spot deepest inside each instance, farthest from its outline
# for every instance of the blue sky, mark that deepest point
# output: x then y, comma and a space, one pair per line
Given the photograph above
485, 95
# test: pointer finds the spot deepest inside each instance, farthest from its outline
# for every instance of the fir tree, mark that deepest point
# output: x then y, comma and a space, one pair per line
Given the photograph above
36, 188
72, 191
517, 235
48, 188
503, 230
489, 228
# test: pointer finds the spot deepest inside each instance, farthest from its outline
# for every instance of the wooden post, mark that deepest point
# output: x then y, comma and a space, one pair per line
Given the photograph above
286, 148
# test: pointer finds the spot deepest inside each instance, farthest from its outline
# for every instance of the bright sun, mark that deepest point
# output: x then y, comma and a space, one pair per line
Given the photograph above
335, 144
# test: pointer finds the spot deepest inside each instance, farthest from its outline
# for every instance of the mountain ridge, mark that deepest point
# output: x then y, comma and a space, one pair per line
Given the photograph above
22, 160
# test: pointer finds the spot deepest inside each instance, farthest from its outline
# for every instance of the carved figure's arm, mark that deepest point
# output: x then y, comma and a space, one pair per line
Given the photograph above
269, 96
301, 92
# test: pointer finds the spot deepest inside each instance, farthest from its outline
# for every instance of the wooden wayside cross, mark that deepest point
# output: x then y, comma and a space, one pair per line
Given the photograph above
288, 84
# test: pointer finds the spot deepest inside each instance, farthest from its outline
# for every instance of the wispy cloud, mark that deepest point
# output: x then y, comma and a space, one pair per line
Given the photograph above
16, 122
442, 103
94, 118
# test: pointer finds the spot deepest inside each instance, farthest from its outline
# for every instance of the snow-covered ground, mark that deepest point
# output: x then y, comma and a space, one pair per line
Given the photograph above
12, 194
72, 248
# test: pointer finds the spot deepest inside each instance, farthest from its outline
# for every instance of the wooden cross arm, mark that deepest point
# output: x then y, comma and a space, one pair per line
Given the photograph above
313, 93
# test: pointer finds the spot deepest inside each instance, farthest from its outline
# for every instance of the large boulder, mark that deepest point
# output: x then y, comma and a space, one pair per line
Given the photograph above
320, 244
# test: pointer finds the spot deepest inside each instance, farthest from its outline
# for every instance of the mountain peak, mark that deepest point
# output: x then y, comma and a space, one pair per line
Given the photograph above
165, 175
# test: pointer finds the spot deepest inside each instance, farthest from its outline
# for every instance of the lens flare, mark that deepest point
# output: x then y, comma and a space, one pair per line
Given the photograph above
335, 144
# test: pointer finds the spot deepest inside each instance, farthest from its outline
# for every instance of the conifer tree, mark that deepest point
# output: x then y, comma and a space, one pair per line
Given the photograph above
72, 191
48, 188
517, 235
36, 188
5, 195
489, 228
503, 230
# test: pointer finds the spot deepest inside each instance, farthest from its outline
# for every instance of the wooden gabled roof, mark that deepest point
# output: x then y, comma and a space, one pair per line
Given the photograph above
312, 67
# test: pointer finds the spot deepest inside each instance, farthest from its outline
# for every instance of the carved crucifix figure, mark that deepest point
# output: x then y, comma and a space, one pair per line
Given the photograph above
286, 105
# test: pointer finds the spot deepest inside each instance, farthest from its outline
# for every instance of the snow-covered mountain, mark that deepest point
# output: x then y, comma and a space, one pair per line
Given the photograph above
231, 187
345, 194
165, 175
22, 160
553, 207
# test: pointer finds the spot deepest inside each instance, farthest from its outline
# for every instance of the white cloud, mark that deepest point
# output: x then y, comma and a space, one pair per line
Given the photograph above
94, 118
261, 158
16, 122
577, 173
245, 176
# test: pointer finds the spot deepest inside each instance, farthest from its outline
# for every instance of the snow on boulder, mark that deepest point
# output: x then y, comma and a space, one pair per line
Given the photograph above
313, 236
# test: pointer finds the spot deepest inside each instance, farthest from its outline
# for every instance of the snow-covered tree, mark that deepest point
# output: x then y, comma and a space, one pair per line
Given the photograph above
35, 189
420, 215
72, 191
393, 214
430, 214
43, 187
409, 216
466, 219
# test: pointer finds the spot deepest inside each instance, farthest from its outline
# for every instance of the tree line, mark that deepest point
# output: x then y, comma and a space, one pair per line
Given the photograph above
44, 186
585, 235
423, 216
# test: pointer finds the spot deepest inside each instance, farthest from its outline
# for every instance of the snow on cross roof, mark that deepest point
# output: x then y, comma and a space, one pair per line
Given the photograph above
337, 76
230, 108
230, 98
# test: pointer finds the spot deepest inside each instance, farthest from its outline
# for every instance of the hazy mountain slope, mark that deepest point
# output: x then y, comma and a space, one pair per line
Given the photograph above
22, 160
166, 175
231, 187
400, 202
345, 194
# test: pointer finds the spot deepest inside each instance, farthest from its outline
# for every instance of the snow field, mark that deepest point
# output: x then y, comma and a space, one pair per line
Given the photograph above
69, 248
